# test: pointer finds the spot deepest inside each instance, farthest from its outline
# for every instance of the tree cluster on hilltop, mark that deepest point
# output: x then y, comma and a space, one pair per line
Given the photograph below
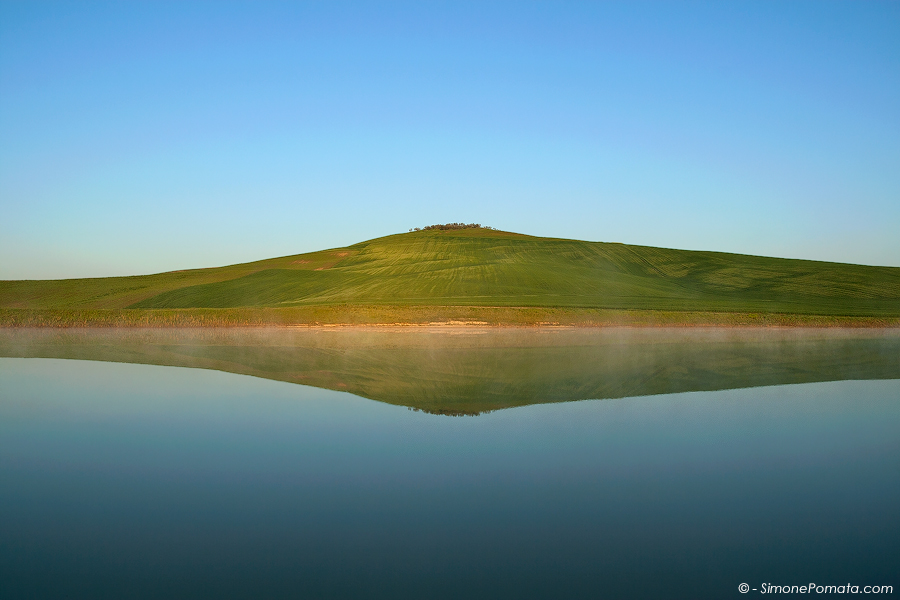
448, 226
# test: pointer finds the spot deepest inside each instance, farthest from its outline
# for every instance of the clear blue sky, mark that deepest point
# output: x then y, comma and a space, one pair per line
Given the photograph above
138, 138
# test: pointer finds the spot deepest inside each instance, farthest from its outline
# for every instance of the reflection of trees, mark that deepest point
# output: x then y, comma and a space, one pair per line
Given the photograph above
449, 412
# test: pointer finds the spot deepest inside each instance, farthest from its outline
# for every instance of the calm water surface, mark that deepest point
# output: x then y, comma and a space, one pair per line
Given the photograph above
140, 480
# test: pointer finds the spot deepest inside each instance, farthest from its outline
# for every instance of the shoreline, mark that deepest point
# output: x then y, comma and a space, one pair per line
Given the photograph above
406, 317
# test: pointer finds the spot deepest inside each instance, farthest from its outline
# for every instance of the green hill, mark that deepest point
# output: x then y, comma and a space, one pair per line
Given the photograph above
481, 267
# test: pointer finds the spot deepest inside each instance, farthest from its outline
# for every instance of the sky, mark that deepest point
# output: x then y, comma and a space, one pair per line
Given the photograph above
146, 137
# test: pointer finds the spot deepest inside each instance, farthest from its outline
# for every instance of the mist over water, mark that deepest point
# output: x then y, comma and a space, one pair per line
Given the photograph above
470, 370
717, 457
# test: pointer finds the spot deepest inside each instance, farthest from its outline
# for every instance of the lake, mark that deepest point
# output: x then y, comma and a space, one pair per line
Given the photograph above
446, 463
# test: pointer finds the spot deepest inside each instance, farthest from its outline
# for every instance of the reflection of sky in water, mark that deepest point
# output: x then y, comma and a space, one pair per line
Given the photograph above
133, 479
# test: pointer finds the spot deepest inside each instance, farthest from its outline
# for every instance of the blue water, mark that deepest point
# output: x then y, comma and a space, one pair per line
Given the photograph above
140, 481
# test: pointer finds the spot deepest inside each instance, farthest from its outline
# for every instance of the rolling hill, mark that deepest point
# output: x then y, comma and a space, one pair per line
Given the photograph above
481, 267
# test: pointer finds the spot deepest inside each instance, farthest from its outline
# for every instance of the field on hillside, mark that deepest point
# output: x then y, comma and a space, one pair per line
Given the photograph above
488, 268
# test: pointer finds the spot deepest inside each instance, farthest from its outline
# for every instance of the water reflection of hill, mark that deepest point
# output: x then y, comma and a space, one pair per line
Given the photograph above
476, 370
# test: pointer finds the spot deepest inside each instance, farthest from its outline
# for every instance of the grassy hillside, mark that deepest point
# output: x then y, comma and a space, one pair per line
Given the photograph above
489, 268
